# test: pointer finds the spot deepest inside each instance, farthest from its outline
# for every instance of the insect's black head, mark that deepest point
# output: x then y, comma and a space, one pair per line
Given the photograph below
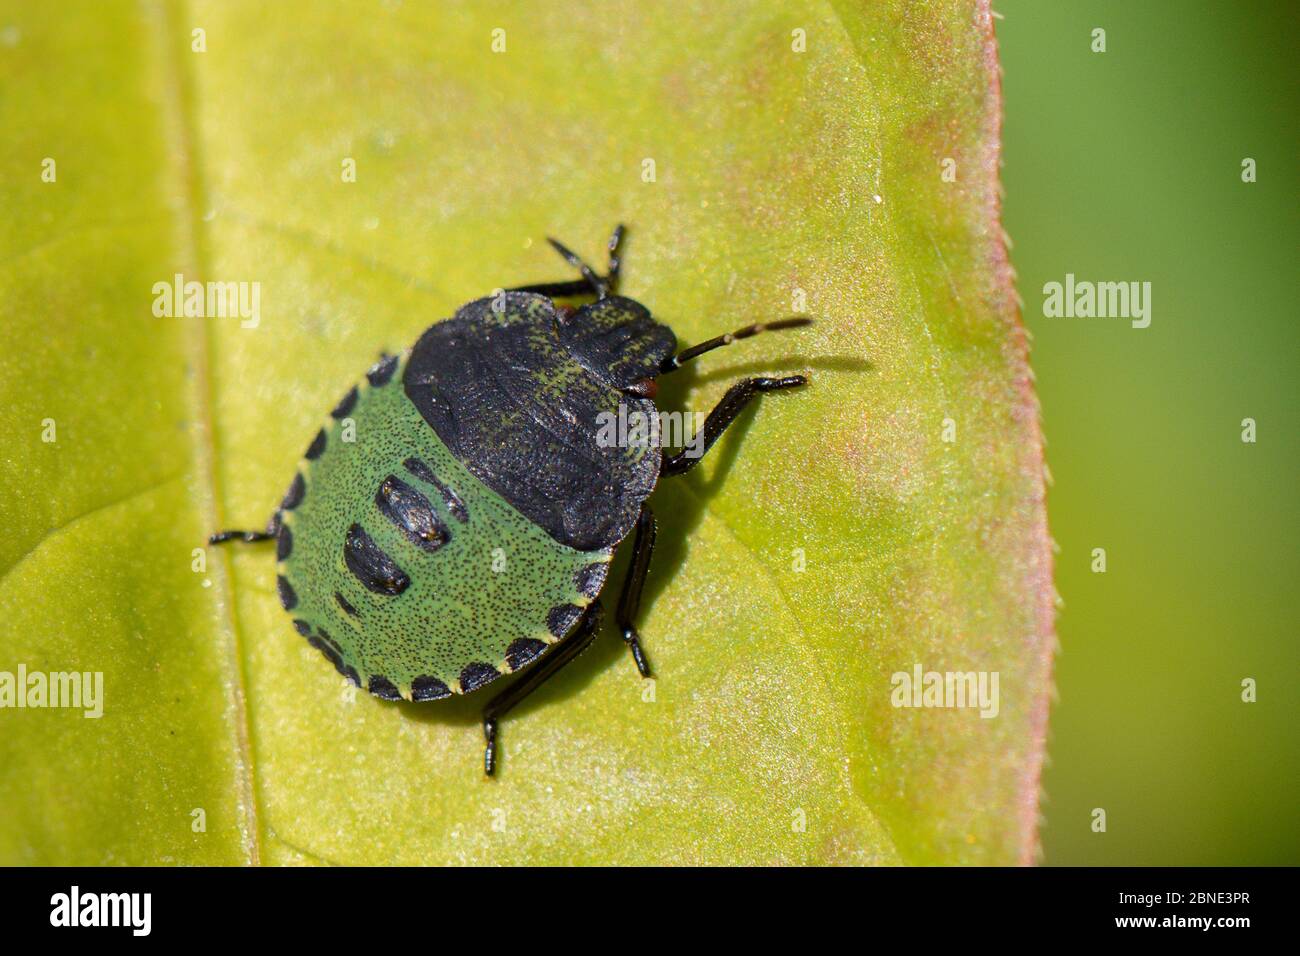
617, 340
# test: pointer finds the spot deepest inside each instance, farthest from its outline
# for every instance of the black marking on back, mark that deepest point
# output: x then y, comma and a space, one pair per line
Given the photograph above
421, 471
523, 651
343, 603
293, 497
317, 446
287, 596
412, 513
383, 688
302, 627
371, 565
478, 379
382, 371
591, 579
346, 405
475, 675
429, 688
452, 500
283, 543
561, 618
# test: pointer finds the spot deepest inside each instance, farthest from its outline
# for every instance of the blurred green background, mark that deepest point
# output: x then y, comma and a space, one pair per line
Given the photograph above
1126, 165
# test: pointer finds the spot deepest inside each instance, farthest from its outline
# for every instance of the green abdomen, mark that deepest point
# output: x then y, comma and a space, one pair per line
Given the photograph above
409, 573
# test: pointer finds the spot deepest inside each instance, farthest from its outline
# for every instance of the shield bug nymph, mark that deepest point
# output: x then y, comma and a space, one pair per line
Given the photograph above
468, 529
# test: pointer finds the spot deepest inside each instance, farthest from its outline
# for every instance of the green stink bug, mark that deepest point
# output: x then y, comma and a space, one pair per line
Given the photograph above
470, 524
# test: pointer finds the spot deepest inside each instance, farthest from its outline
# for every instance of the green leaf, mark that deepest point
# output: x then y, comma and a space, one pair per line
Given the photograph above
771, 736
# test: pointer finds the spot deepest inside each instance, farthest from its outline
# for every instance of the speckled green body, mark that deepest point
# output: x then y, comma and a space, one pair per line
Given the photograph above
492, 596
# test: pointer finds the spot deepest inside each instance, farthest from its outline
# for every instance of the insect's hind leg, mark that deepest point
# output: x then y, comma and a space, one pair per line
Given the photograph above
590, 283
578, 640
723, 414
629, 601
272, 530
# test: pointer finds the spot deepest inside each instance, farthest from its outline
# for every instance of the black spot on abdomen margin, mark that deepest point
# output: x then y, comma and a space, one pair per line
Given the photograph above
283, 543
591, 579
429, 688
383, 688
326, 646
287, 596
382, 371
523, 651
317, 446
293, 497
346, 404
476, 675
561, 618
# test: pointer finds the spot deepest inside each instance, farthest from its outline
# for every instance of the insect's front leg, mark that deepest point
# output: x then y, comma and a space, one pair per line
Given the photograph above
723, 414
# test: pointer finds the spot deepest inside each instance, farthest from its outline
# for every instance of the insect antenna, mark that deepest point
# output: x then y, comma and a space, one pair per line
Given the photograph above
675, 361
597, 283
615, 260
602, 286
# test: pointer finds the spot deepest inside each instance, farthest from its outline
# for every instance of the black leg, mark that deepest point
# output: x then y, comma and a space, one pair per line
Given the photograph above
629, 602
578, 640
590, 283
732, 404
272, 529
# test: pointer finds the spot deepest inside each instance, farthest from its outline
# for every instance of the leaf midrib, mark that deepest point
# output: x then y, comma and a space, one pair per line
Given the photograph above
178, 119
